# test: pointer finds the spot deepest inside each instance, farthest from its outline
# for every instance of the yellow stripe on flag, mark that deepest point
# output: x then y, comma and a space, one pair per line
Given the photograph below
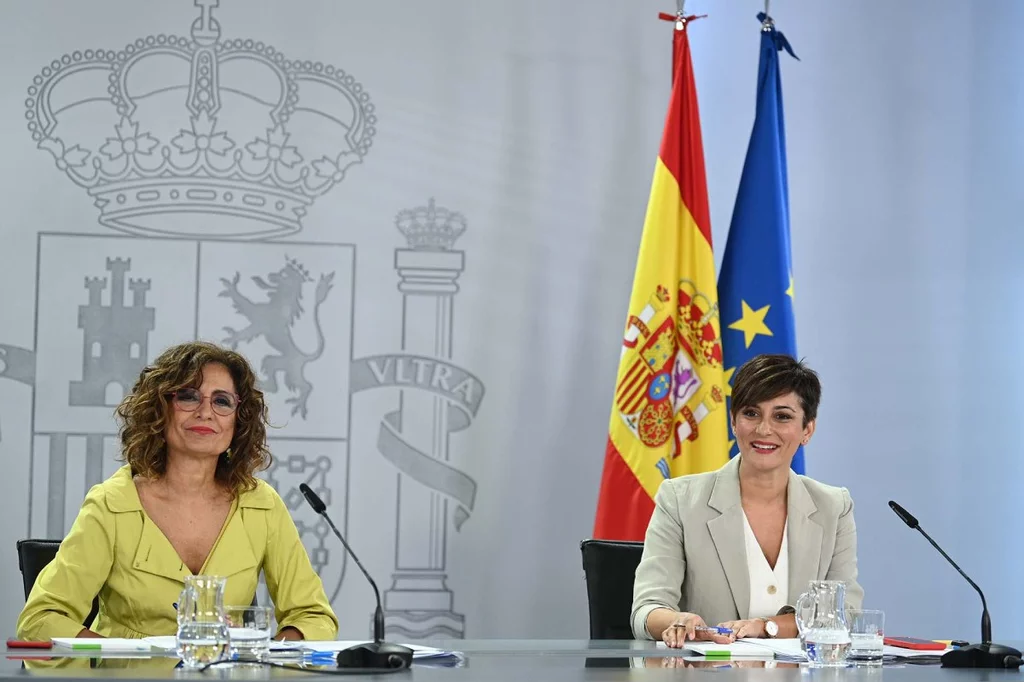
675, 258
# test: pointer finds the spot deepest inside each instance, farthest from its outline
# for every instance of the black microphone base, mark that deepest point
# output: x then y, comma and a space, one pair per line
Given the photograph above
378, 655
984, 655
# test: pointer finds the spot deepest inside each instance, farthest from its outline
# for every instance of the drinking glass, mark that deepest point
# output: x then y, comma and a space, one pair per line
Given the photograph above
867, 631
249, 628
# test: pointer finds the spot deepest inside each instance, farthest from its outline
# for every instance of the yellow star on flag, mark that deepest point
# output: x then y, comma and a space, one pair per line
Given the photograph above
789, 291
752, 323
727, 380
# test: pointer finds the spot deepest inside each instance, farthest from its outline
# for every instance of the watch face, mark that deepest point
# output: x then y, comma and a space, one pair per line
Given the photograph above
771, 627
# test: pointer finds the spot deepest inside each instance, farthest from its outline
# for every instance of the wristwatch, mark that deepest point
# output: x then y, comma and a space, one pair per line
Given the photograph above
771, 628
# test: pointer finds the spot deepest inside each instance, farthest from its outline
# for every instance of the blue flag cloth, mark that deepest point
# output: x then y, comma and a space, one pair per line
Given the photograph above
755, 287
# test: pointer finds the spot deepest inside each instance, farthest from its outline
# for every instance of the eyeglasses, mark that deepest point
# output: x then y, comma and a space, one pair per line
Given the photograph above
189, 400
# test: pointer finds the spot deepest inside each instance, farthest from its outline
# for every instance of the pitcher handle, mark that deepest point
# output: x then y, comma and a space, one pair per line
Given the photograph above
804, 605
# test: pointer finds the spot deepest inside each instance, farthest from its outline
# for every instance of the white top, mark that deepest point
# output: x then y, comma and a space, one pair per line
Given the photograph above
769, 589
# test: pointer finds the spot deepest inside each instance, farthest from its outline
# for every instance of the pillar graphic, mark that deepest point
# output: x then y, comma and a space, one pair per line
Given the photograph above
419, 603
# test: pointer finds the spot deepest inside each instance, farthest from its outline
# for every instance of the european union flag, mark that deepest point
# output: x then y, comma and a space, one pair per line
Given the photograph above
755, 288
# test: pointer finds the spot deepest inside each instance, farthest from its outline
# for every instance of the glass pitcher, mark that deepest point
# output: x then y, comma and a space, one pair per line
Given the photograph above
202, 635
821, 621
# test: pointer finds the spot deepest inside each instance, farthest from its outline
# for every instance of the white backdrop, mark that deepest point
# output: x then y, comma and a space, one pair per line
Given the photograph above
520, 139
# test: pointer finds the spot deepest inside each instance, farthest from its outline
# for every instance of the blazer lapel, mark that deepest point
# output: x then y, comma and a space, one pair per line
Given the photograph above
156, 555
232, 553
727, 533
804, 538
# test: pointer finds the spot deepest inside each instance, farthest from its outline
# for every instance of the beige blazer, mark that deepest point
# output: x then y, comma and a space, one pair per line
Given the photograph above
695, 556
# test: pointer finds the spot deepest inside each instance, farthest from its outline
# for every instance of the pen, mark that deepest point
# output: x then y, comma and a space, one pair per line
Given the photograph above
716, 630
18, 644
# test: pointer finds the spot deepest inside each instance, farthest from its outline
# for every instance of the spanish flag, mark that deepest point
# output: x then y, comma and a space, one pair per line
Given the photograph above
669, 415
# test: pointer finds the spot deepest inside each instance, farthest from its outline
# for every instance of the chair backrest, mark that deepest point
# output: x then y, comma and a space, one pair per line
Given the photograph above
33, 556
610, 568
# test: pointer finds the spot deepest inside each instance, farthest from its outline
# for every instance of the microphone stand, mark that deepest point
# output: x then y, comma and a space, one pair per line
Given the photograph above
983, 655
378, 653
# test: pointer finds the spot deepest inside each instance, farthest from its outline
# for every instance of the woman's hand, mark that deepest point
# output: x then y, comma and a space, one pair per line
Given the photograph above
684, 627
754, 627
86, 633
289, 634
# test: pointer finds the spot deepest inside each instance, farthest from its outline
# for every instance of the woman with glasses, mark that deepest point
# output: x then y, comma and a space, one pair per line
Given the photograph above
186, 502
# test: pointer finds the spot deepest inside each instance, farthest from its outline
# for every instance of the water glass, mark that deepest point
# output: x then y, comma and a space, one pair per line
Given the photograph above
867, 632
249, 628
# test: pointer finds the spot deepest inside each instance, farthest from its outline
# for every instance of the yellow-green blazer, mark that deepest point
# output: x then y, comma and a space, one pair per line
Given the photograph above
115, 551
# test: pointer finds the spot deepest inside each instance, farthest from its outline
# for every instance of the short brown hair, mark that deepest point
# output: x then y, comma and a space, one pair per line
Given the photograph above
145, 411
764, 377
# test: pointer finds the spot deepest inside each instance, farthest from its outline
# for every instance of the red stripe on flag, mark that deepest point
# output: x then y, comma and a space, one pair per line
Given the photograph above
623, 508
682, 147
628, 383
634, 397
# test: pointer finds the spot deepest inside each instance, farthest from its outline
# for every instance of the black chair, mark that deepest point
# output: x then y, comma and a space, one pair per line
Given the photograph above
610, 567
33, 556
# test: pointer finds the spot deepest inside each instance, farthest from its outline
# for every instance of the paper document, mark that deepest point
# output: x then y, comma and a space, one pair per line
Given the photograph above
418, 652
105, 645
784, 649
162, 642
787, 650
900, 652
741, 648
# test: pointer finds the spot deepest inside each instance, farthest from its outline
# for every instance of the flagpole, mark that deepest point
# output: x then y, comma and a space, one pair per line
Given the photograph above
768, 23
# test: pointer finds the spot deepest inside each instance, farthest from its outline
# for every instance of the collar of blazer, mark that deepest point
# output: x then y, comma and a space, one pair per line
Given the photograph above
154, 553
726, 530
122, 495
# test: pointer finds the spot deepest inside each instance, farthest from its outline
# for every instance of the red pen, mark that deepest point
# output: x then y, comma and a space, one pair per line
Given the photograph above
18, 644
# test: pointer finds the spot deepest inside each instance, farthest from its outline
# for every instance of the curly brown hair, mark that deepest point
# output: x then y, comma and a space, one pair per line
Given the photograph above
144, 413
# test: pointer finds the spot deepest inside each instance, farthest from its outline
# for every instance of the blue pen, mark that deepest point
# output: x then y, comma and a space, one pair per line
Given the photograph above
716, 630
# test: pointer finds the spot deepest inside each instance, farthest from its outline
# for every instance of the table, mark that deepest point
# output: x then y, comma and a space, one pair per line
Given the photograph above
514, 661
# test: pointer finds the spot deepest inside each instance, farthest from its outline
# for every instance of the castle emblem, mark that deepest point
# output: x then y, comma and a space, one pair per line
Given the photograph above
273, 319
116, 337
229, 129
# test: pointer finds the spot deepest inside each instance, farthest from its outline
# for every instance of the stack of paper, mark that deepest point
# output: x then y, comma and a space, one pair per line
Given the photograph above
782, 649
102, 645
419, 653
896, 653
790, 650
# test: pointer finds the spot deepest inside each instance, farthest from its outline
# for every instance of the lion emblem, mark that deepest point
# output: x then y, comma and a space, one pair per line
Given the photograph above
273, 319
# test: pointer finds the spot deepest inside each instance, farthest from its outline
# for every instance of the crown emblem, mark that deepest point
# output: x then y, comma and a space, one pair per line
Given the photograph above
696, 325
196, 136
431, 227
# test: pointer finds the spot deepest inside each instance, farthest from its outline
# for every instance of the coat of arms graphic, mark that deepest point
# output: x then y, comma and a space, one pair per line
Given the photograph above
200, 153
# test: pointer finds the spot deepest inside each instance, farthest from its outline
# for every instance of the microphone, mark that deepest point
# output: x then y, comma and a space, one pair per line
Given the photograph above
376, 654
983, 655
